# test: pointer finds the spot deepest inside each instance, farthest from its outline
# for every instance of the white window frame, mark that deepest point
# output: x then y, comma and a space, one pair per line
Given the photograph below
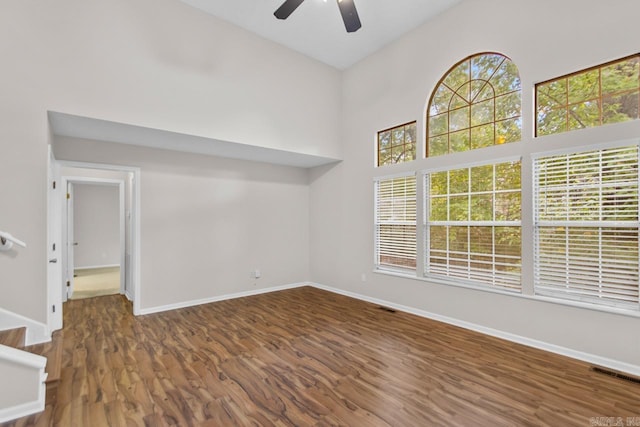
550, 287
455, 278
377, 223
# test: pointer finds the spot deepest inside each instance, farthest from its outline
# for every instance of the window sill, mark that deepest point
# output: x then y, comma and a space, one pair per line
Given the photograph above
575, 304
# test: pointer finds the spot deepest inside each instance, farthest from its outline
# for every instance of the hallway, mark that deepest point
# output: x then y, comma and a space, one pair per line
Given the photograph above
93, 282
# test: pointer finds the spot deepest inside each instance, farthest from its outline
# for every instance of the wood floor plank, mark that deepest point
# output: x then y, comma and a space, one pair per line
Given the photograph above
13, 337
308, 357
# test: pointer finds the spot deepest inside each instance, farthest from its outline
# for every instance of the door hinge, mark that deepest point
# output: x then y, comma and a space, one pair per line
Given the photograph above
68, 284
53, 307
68, 196
54, 185
54, 247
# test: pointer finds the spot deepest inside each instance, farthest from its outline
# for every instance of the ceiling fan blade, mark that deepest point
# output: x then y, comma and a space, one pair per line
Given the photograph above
349, 15
287, 8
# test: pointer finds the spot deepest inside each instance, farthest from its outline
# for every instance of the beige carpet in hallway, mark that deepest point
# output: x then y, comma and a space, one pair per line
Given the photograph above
93, 282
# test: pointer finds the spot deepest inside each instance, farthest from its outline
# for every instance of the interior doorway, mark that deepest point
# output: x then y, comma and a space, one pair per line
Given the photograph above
67, 177
96, 238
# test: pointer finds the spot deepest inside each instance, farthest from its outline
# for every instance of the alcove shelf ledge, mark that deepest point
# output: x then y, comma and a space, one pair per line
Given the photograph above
75, 126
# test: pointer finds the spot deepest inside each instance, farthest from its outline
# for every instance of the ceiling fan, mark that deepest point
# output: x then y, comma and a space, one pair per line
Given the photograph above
347, 10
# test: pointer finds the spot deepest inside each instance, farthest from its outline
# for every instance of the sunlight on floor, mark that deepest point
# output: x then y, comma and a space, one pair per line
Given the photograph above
93, 282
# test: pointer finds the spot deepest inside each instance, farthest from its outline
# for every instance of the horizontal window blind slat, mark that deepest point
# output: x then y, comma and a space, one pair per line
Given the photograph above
562, 278
632, 293
593, 299
395, 222
510, 281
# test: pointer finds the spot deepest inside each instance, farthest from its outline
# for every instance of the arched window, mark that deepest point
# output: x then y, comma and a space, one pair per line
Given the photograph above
476, 104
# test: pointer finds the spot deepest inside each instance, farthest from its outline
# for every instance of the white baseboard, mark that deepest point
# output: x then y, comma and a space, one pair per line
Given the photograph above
38, 363
564, 351
22, 357
22, 410
36, 332
90, 267
192, 303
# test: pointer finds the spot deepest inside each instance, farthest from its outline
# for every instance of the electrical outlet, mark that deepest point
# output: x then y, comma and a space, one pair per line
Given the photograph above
363, 277
256, 273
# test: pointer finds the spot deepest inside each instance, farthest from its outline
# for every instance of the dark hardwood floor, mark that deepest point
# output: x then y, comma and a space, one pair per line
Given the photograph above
307, 357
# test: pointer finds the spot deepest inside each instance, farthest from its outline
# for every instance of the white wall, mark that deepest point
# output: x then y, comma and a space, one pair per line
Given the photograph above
153, 63
208, 222
96, 219
545, 39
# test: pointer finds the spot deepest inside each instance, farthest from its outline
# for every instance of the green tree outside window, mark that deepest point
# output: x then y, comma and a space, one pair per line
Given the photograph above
605, 94
476, 104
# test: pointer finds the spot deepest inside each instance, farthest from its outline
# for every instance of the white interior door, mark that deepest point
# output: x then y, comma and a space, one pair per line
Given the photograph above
71, 244
54, 248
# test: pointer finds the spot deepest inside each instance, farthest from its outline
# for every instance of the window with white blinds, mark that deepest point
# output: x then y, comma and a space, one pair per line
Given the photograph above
473, 225
395, 223
586, 226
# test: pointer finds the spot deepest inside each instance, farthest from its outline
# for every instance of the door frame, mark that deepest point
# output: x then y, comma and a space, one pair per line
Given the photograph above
68, 255
54, 244
55, 220
68, 182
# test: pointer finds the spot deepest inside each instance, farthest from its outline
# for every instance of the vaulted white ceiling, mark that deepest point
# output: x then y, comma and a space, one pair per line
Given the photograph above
316, 28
